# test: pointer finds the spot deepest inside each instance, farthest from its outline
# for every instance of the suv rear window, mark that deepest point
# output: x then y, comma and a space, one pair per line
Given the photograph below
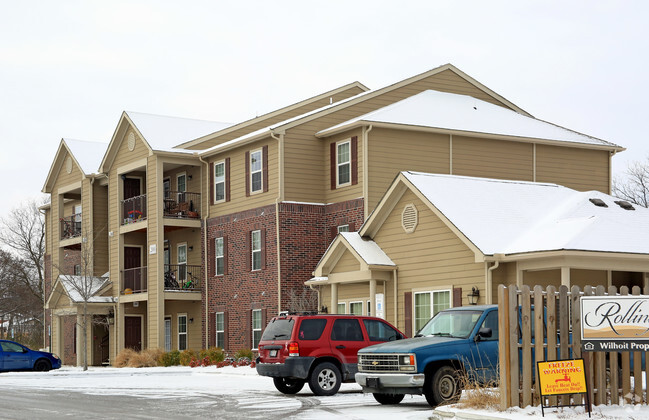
311, 329
280, 328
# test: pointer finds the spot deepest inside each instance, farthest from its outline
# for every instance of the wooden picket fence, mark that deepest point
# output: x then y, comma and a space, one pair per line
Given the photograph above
527, 336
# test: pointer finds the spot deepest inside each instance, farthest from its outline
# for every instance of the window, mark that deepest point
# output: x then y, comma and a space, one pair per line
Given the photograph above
77, 213
346, 330
256, 167
219, 181
427, 304
166, 186
343, 228
77, 269
182, 332
311, 329
342, 308
256, 328
167, 334
220, 330
219, 258
356, 308
256, 249
182, 262
380, 331
181, 181
343, 163
491, 321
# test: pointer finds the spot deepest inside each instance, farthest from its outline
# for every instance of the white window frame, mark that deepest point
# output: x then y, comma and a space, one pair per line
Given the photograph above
78, 209
183, 333
178, 176
179, 263
432, 294
167, 333
220, 343
219, 257
259, 171
344, 304
257, 329
77, 269
343, 228
356, 302
219, 180
340, 164
255, 251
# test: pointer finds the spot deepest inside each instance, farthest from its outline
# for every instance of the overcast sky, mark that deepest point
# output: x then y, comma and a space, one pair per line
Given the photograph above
69, 68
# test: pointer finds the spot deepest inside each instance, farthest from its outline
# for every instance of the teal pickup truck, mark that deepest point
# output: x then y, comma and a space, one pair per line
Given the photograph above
456, 344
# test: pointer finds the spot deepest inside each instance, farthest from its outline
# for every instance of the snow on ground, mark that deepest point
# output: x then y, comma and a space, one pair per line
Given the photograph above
172, 382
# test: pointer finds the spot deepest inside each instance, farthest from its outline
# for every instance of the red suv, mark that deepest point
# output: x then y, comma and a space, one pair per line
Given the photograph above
318, 349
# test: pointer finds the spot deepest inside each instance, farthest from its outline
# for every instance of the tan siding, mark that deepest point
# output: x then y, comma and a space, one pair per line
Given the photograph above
392, 151
493, 158
155, 296
346, 263
63, 178
348, 192
238, 200
431, 258
100, 229
580, 169
193, 310
542, 278
581, 278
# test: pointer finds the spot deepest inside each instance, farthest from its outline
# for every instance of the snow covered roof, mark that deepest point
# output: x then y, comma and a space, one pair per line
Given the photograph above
88, 154
165, 133
74, 286
511, 217
367, 249
449, 111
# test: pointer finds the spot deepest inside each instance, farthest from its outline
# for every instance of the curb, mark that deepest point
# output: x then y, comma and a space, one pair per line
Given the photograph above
459, 415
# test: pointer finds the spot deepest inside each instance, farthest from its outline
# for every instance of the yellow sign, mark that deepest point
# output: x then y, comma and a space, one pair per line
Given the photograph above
562, 377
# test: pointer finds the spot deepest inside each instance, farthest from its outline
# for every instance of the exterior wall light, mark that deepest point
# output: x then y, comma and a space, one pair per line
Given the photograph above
474, 295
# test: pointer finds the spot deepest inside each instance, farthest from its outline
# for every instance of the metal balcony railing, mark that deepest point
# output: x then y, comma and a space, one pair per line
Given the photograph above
185, 205
71, 226
134, 209
134, 280
182, 277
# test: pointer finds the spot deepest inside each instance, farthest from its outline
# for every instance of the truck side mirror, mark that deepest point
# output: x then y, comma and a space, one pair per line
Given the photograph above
483, 333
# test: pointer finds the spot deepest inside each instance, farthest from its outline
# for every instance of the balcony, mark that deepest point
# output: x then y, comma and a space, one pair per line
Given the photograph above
182, 277
70, 226
183, 205
134, 280
134, 209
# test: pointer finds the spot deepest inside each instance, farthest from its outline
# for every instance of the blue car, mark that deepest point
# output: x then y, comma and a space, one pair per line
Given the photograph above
14, 356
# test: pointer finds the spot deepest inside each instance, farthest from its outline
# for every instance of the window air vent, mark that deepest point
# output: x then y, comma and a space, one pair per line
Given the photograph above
625, 205
409, 218
598, 202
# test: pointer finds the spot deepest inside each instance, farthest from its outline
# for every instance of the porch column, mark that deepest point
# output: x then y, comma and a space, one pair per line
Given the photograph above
565, 276
372, 297
334, 298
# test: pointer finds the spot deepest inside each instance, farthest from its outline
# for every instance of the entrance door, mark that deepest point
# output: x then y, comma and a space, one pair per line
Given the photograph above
131, 188
133, 332
132, 272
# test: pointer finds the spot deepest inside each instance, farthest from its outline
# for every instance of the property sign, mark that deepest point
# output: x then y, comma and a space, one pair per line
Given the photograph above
562, 377
615, 323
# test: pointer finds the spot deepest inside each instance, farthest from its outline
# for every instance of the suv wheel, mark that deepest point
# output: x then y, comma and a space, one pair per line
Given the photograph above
444, 387
288, 386
388, 399
325, 379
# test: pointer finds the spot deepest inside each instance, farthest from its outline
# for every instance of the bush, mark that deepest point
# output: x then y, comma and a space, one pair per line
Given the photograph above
123, 357
243, 353
213, 354
171, 358
186, 357
145, 358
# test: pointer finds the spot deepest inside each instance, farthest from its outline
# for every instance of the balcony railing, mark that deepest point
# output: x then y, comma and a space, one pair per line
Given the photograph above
182, 277
71, 226
134, 209
134, 280
184, 205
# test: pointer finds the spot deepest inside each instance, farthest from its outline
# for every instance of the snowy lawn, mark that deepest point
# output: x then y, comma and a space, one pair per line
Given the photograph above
250, 388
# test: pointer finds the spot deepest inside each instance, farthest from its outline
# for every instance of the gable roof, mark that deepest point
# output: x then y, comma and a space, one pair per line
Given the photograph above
69, 286
86, 155
450, 112
515, 217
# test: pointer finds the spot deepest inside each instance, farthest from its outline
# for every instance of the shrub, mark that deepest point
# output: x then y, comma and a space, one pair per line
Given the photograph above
213, 354
123, 357
171, 358
243, 353
145, 358
186, 357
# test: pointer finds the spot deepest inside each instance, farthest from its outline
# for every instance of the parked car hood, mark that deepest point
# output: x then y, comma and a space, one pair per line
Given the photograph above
411, 344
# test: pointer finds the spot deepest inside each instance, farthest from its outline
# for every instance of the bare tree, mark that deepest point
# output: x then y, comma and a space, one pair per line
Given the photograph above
634, 187
304, 300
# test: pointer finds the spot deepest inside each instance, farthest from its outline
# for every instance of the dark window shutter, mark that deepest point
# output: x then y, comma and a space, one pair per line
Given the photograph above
264, 322
334, 232
211, 258
225, 255
226, 332
247, 174
332, 159
211, 183
227, 179
248, 330
351, 227
407, 310
354, 147
457, 297
248, 251
264, 158
211, 336
262, 233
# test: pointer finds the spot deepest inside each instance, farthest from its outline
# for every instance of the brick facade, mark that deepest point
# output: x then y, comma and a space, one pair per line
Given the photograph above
69, 355
305, 230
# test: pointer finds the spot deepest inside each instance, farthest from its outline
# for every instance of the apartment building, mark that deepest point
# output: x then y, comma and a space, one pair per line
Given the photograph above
212, 228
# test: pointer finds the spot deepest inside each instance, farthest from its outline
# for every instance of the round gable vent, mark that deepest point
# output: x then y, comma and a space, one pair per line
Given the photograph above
131, 141
409, 218
68, 164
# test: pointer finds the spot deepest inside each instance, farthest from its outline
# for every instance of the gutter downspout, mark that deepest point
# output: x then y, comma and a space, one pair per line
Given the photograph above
206, 215
280, 198
366, 175
490, 270
396, 298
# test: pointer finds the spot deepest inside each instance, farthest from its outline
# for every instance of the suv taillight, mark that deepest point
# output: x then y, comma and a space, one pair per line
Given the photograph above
293, 348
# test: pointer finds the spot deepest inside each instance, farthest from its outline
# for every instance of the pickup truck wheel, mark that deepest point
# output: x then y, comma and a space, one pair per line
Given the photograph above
325, 379
288, 386
388, 399
444, 387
